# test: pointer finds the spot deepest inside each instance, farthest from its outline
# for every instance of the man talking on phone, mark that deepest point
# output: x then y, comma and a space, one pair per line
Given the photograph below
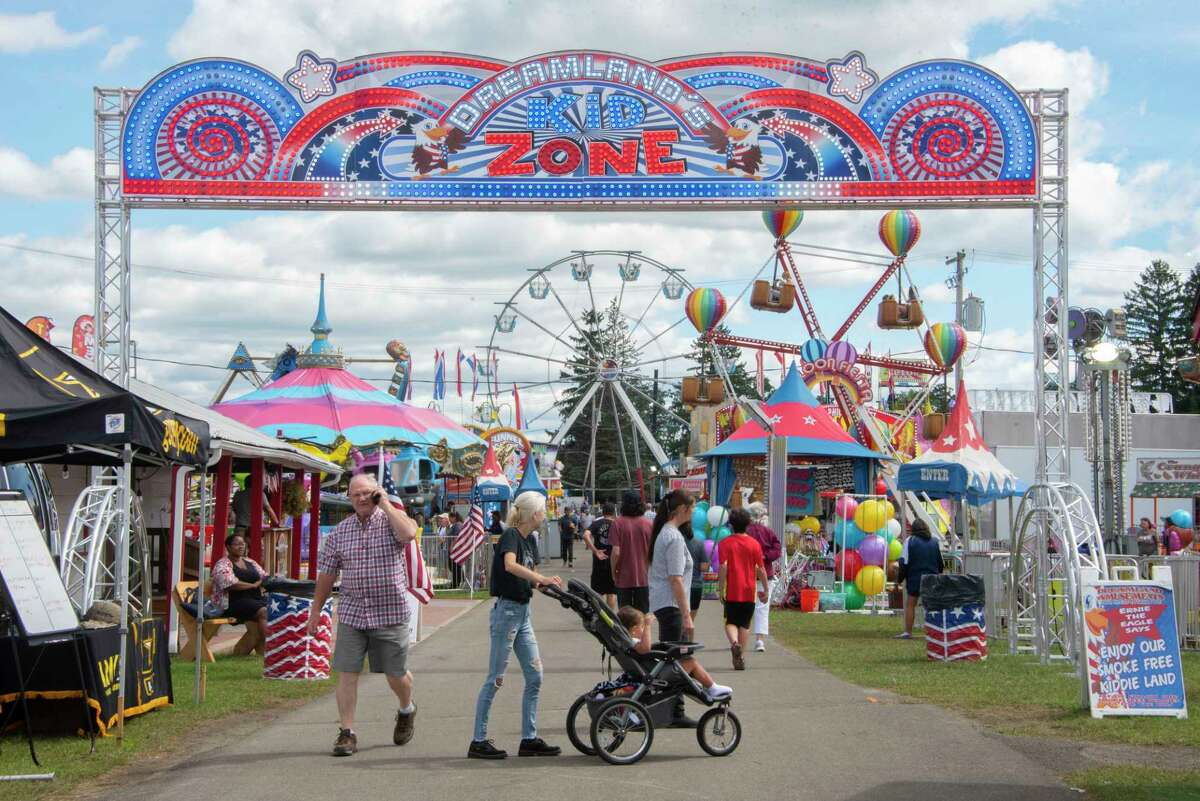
372, 608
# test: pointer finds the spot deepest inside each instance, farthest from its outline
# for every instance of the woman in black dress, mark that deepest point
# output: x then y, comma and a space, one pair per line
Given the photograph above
237, 585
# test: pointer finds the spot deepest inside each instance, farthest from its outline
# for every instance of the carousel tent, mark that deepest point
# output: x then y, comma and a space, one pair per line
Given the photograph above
959, 464
530, 480
492, 484
321, 401
809, 429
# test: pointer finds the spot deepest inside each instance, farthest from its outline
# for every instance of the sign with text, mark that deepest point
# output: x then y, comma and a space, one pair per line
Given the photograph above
30, 579
1182, 470
1133, 665
577, 127
696, 485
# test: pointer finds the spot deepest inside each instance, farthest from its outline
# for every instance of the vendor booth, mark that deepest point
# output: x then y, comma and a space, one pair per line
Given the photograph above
822, 456
56, 410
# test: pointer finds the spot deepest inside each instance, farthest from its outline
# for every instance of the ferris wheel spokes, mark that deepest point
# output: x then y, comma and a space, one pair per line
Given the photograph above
497, 349
655, 449
659, 403
541, 327
574, 414
612, 396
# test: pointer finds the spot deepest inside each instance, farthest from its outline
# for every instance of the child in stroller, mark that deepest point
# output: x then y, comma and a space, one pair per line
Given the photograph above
622, 715
638, 625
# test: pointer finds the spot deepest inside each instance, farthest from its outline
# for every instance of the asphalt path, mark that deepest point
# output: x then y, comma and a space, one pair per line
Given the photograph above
806, 735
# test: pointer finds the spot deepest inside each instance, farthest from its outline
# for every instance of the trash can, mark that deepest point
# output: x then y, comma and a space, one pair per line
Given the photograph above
290, 653
955, 617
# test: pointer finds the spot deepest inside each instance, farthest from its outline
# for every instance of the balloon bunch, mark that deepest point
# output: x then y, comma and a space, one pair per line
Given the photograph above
868, 534
711, 525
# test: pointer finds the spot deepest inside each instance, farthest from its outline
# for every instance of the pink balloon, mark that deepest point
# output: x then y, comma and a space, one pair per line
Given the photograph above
873, 550
845, 507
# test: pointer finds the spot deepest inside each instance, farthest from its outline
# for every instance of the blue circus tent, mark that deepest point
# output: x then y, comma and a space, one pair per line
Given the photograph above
959, 464
530, 481
809, 429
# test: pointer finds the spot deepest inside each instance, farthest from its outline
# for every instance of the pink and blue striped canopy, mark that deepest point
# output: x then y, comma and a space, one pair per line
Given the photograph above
316, 404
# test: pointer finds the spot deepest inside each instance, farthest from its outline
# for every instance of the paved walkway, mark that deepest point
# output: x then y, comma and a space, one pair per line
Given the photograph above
807, 735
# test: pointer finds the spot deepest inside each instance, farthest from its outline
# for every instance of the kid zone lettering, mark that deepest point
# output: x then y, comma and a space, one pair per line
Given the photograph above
564, 156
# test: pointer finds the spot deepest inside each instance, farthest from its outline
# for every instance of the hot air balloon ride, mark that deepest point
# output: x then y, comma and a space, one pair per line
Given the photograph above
945, 343
777, 295
704, 308
899, 231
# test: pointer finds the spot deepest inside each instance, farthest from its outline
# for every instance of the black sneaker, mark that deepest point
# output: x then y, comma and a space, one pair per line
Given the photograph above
485, 749
346, 743
405, 726
683, 722
537, 747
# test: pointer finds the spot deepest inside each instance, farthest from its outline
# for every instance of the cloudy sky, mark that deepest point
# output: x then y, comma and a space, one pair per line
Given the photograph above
203, 282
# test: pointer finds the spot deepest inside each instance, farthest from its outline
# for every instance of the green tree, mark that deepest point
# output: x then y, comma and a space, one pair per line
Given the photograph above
1188, 402
1155, 311
701, 355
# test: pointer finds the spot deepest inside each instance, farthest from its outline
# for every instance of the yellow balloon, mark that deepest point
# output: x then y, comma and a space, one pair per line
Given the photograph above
870, 515
889, 509
894, 550
870, 580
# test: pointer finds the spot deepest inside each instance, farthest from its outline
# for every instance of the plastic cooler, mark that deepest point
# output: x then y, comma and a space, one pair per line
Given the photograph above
290, 653
955, 618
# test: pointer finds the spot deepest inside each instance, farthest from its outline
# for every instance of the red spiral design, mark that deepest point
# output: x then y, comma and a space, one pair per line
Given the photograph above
216, 136
944, 137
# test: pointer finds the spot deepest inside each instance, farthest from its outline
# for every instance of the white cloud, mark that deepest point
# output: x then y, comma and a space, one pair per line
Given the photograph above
69, 175
25, 33
271, 32
117, 54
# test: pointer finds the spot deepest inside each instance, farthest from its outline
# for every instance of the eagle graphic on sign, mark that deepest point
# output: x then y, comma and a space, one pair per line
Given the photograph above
435, 144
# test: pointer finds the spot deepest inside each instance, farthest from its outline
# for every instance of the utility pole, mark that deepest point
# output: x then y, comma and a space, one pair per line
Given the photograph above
959, 260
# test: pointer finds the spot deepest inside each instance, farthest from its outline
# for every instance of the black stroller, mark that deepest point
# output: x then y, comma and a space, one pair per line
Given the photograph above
622, 715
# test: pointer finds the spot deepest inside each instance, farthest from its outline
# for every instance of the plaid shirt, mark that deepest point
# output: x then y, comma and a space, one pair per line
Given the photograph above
374, 588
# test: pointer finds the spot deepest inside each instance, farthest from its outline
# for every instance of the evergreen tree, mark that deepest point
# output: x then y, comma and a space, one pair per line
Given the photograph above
1188, 401
1154, 311
701, 355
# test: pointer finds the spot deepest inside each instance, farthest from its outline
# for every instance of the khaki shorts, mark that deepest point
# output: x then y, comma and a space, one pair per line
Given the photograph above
387, 648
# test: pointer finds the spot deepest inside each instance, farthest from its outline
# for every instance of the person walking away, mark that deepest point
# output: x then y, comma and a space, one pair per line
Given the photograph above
772, 549
630, 537
597, 538
456, 570
741, 568
512, 585
566, 536
700, 566
919, 557
367, 548
670, 566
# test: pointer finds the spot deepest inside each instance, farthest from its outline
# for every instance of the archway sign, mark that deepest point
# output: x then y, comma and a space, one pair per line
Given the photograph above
588, 130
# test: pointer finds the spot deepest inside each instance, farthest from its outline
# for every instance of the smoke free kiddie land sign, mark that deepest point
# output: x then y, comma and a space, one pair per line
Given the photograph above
582, 127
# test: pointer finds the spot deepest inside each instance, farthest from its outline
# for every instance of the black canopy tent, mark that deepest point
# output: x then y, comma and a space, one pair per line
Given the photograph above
54, 409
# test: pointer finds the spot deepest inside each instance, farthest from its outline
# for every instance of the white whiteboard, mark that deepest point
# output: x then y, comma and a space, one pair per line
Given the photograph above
28, 573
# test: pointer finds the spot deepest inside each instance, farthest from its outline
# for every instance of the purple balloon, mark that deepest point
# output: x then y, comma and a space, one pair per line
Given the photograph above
873, 550
710, 548
841, 351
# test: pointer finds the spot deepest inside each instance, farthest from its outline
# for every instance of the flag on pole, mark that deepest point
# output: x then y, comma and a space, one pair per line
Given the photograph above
439, 375
409, 383
760, 378
473, 363
458, 372
782, 365
517, 407
420, 583
470, 536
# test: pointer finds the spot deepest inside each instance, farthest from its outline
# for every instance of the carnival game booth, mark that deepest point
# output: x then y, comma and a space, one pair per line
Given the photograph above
822, 456
58, 411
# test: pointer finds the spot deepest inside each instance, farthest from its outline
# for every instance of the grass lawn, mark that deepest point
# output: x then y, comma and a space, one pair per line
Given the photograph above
235, 688
1014, 694
1132, 783
459, 595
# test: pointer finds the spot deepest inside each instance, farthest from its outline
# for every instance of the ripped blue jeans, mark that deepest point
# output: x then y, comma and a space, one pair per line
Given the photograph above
511, 631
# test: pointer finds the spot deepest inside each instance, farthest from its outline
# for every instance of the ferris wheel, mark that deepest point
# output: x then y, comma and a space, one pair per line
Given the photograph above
595, 324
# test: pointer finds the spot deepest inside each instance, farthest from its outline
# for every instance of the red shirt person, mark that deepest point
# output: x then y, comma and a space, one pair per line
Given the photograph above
630, 539
741, 569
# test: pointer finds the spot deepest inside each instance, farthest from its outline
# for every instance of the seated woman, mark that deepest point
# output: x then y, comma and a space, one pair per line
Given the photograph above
237, 586
639, 625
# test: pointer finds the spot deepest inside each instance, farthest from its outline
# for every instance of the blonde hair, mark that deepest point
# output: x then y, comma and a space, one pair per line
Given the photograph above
524, 508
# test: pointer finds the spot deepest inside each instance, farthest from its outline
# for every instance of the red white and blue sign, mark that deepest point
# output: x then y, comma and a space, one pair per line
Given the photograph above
577, 127
1132, 642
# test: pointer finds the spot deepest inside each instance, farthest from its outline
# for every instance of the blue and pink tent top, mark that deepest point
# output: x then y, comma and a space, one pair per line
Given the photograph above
321, 400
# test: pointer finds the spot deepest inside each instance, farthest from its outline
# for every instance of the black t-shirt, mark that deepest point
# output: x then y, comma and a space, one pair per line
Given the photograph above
505, 584
566, 527
599, 530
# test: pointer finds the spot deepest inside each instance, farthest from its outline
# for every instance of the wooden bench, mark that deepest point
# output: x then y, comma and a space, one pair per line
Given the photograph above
250, 641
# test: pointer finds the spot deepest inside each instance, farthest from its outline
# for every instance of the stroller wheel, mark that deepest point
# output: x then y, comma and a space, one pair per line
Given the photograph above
622, 731
579, 725
719, 731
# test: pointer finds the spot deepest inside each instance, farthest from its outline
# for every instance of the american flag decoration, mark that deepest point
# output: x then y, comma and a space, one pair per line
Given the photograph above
290, 652
958, 633
420, 583
470, 537
760, 378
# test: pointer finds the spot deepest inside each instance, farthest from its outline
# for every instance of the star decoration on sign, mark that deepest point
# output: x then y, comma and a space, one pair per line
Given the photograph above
850, 77
949, 439
810, 420
313, 76
775, 419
